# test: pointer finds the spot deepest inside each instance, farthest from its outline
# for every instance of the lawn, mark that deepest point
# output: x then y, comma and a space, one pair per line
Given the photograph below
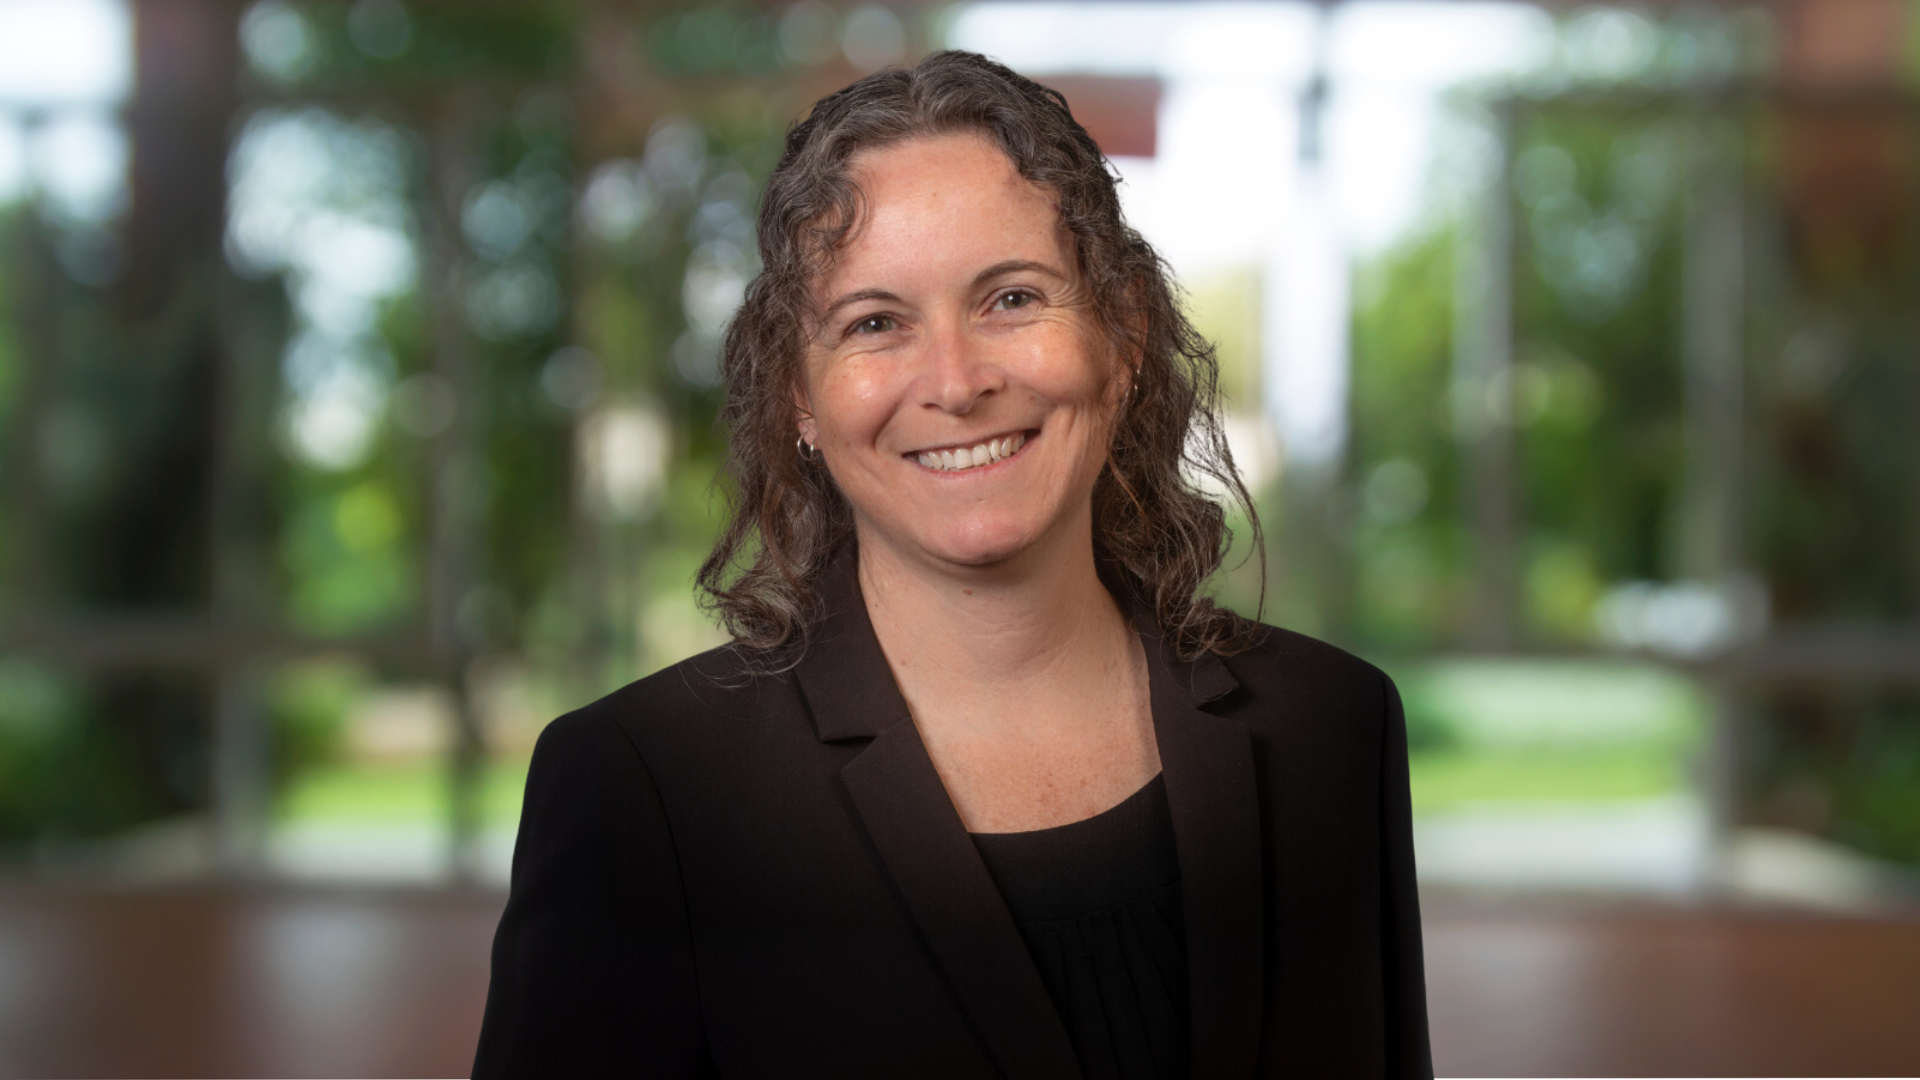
408, 791
1538, 731
1445, 779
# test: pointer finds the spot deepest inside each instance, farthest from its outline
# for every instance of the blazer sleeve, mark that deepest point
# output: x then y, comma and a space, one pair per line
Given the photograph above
1409, 1053
593, 972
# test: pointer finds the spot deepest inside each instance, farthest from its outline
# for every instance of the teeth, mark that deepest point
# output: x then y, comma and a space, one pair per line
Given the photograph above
972, 457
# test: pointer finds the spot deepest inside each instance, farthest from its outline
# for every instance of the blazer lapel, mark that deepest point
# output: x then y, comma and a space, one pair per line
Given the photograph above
906, 812
940, 876
1206, 763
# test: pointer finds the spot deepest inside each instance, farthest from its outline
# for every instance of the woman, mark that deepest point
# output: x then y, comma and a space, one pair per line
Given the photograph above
982, 787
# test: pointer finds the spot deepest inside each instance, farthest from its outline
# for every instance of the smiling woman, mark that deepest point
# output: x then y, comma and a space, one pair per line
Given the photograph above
1050, 195
983, 786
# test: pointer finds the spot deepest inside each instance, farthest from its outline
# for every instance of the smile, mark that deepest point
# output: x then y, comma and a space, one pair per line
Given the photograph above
960, 459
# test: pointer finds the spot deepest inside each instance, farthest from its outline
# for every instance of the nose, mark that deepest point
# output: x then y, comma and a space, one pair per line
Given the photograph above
959, 371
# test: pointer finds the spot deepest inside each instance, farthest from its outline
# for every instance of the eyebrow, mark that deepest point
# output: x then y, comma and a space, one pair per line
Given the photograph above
999, 269
1014, 266
858, 297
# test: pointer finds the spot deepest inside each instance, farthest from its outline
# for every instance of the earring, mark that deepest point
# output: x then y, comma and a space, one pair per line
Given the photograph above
808, 452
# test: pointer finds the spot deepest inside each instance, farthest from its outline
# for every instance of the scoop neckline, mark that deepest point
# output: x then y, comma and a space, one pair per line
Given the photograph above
1139, 794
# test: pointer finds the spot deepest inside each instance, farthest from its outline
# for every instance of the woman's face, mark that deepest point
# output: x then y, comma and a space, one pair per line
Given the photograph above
957, 385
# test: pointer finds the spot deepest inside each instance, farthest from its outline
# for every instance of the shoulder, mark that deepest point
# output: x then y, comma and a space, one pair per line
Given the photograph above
707, 694
1287, 654
1292, 672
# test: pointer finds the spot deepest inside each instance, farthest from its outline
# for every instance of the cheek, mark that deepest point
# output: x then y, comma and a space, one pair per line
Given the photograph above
853, 399
1071, 370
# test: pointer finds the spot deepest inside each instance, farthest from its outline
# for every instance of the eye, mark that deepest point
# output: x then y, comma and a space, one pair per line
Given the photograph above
1013, 299
875, 324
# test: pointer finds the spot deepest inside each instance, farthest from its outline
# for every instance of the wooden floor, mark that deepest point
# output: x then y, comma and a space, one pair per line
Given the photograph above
1672, 993
285, 984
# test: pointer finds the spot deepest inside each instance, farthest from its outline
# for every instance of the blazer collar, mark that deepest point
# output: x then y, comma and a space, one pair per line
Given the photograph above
1212, 795
1203, 680
848, 686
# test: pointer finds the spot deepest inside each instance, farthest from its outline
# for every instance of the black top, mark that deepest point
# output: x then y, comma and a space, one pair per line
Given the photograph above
726, 872
1098, 903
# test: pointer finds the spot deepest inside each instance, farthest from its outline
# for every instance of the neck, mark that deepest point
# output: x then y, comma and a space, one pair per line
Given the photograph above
977, 631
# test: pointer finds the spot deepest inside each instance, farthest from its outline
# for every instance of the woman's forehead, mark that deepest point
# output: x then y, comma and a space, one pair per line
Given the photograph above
942, 203
928, 172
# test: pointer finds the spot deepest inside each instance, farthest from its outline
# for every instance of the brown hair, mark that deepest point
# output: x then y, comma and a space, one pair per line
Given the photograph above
1152, 528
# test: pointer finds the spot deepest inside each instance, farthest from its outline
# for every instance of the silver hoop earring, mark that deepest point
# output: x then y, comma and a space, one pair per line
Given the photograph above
807, 452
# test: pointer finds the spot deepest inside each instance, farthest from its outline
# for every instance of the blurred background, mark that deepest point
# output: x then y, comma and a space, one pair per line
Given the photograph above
358, 370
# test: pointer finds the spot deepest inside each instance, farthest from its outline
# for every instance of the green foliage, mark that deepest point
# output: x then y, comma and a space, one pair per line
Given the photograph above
1597, 328
716, 39
347, 561
521, 435
1407, 547
1598, 314
9, 321
328, 45
37, 715
1879, 812
308, 704
1835, 518
67, 771
1843, 763
1430, 727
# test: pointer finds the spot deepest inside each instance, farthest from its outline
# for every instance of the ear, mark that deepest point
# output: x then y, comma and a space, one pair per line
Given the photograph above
1126, 386
1127, 364
803, 420
1128, 358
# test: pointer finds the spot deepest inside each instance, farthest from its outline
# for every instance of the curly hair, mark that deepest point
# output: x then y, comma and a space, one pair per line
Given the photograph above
1154, 529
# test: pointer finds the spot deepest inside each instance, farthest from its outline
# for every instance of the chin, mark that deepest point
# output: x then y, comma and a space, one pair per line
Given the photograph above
977, 556
982, 546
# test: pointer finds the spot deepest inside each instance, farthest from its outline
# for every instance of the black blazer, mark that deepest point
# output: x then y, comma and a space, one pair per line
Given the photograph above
726, 875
